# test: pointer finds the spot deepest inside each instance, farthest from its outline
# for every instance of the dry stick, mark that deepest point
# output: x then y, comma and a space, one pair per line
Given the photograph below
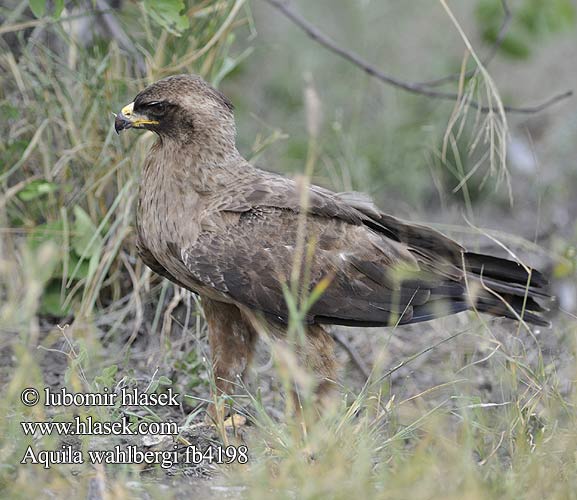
34, 23
413, 87
408, 360
353, 354
110, 22
507, 17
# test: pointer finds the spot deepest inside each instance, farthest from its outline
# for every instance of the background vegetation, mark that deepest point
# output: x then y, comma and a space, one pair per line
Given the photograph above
460, 407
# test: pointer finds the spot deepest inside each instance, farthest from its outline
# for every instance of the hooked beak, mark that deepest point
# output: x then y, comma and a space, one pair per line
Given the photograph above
127, 118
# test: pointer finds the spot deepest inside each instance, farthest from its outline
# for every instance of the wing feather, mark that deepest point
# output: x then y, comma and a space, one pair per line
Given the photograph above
251, 263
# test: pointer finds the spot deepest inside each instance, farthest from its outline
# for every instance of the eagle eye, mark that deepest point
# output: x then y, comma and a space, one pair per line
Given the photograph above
156, 108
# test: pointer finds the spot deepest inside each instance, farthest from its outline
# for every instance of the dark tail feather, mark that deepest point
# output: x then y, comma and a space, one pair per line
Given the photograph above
435, 309
515, 293
503, 270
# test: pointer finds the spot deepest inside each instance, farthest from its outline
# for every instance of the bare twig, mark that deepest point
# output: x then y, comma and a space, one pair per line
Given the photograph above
488, 58
410, 359
34, 23
111, 24
413, 87
353, 354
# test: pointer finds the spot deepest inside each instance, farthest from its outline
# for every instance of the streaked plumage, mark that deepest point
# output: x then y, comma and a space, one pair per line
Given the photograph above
218, 226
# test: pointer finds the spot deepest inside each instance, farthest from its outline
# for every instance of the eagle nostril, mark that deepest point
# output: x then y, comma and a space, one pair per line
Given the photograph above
127, 110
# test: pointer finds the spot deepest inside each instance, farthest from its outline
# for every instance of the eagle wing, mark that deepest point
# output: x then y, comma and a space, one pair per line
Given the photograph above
369, 281
377, 271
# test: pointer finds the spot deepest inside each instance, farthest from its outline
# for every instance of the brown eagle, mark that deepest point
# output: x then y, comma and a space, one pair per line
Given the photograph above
214, 224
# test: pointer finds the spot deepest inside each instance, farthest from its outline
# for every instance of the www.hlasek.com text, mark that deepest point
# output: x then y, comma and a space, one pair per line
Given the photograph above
89, 426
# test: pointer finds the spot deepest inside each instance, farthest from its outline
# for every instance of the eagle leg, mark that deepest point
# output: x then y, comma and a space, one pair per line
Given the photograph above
232, 342
316, 356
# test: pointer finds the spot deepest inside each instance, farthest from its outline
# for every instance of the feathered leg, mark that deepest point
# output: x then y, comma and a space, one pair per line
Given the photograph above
316, 365
318, 357
232, 342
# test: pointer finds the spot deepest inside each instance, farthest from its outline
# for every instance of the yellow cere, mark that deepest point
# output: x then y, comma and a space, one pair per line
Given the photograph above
127, 110
136, 119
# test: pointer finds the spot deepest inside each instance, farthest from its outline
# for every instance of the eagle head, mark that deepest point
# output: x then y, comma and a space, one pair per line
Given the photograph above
182, 108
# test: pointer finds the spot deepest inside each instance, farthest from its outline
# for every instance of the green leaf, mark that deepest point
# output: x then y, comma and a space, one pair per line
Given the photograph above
58, 8
110, 371
512, 45
107, 376
51, 231
542, 18
489, 12
36, 189
532, 20
51, 301
74, 262
38, 7
167, 13
229, 64
8, 111
86, 241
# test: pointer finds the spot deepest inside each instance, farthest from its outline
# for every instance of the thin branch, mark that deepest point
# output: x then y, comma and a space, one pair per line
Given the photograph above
410, 359
507, 17
412, 87
353, 354
11, 28
110, 22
